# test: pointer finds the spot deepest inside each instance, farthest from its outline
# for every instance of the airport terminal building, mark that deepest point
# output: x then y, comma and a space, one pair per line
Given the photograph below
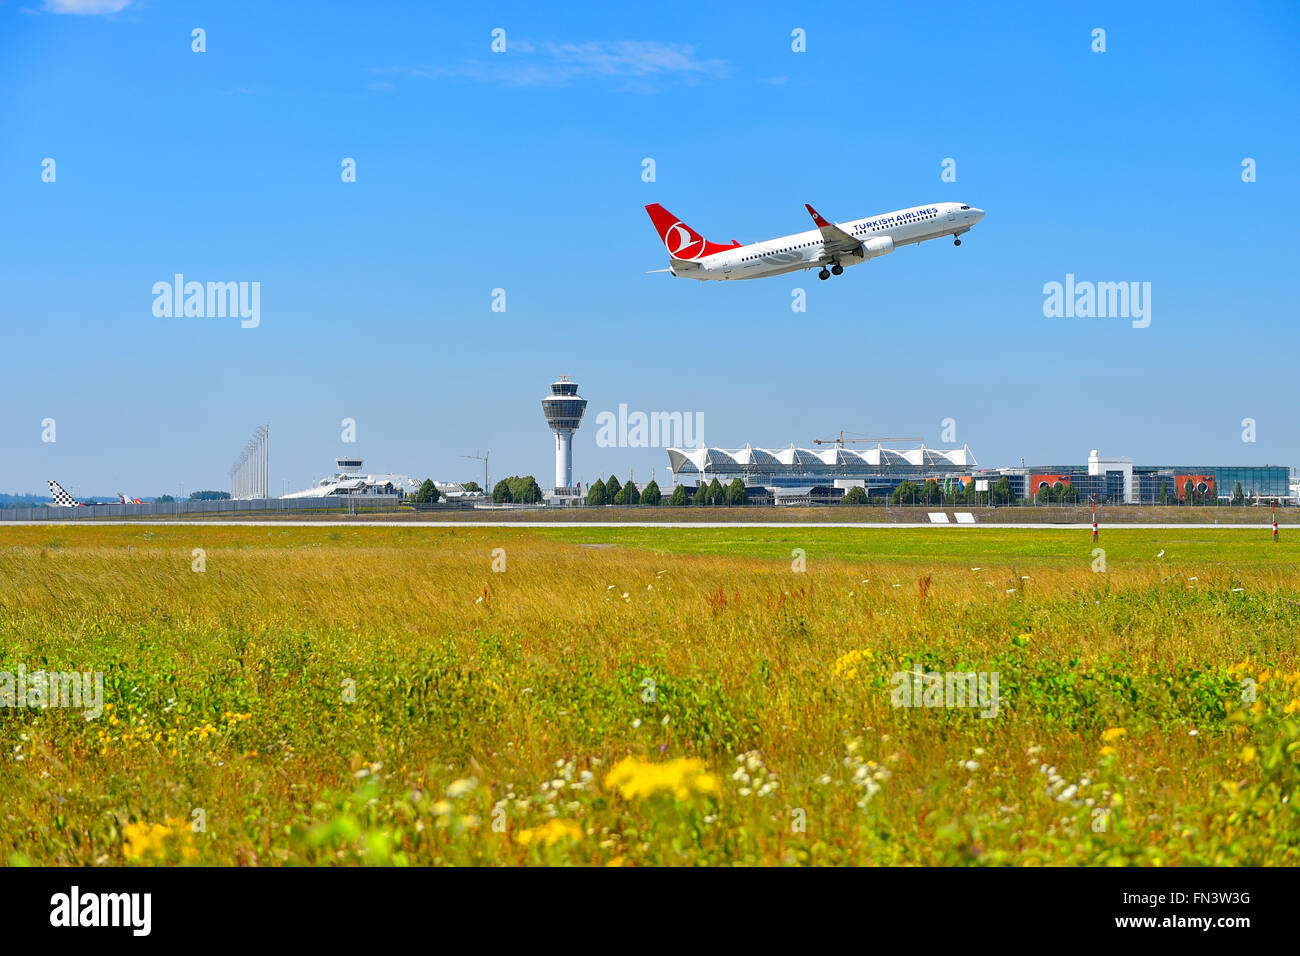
797, 475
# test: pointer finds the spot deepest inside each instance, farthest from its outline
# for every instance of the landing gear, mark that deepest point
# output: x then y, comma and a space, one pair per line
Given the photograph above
837, 270
956, 242
824, 274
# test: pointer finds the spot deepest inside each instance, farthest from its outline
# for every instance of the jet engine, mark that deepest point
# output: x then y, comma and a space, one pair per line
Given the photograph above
879, 246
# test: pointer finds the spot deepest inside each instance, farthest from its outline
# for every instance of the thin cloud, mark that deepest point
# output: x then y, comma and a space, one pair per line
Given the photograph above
641, 66
85, 7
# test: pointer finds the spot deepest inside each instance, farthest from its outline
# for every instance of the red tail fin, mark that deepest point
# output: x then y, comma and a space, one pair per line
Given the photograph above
681, 241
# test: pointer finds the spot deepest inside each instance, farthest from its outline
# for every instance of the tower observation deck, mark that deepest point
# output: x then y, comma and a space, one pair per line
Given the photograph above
564, 409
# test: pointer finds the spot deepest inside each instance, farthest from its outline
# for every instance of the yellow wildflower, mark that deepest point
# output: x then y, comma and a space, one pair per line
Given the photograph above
846, 665
1112, 734
550, 833
145, 841
634, 778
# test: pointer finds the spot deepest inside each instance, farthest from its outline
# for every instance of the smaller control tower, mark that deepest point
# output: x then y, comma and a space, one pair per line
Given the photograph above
564, 409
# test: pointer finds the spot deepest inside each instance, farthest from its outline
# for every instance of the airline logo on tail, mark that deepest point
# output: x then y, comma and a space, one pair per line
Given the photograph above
681, 241
61, 498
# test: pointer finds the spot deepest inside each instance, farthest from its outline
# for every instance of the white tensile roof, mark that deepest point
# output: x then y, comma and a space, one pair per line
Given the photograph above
794, 460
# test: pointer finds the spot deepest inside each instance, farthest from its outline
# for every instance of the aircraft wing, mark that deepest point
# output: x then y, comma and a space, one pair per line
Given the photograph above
836, 241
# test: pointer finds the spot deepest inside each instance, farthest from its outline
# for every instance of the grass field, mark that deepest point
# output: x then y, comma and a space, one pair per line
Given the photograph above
652, 696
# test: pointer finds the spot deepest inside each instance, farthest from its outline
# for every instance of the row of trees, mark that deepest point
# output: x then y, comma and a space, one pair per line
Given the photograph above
525, 490
1193, 497
513, 489
611, 492
932, 493
1060, 493
197, 496
714, 493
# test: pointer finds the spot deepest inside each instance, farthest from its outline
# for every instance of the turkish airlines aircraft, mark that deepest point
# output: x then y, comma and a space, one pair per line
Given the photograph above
834, 245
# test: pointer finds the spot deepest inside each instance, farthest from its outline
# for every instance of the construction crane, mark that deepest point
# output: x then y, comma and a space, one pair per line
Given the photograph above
487, 489
842, 441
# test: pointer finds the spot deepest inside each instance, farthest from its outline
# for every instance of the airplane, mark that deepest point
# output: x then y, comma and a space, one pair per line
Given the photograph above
61, 498
64, 500
830, 244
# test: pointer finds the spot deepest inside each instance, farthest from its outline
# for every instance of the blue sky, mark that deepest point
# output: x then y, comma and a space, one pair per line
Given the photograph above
522, 171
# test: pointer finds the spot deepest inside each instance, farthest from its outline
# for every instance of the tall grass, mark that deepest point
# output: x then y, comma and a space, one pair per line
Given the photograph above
340, 695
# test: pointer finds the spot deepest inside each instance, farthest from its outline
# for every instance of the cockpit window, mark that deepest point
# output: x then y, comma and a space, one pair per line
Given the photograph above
965, 207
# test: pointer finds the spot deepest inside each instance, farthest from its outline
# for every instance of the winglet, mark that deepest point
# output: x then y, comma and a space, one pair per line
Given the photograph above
817, 217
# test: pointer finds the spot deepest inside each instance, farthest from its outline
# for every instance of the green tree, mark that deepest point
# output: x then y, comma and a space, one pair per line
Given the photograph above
427, 493
701, 496
164, 499
854, 496
596, 493
471, 486
209, 495
524, 489
736, 494
1238, 495
612, 488
1045, 496
930, 492
1189, 492
627, 495
501, 493
1164, 491
1002, 491
650, 494
717, 494
679, 497
906, 493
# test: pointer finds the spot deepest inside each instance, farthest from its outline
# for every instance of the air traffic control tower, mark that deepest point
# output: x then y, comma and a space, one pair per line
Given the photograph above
563, 409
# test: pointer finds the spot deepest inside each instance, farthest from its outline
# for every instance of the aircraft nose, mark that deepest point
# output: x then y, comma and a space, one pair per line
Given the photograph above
979, 213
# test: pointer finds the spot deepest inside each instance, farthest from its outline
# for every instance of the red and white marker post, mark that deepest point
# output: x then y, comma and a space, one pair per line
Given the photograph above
1275, 521
1094, 517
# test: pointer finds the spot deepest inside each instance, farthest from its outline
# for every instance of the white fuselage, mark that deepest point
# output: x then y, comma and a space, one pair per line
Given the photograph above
879, 236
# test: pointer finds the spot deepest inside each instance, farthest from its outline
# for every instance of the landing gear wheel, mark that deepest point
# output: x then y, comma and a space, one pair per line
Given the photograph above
837, 270
823, 274
956, 242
